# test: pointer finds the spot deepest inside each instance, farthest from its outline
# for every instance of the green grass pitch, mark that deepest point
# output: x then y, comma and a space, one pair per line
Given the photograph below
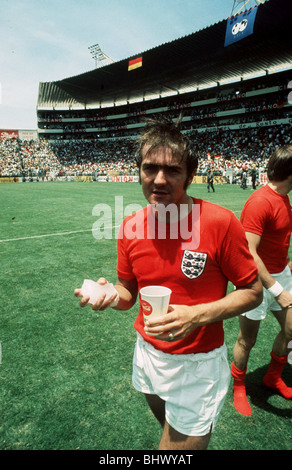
66, 371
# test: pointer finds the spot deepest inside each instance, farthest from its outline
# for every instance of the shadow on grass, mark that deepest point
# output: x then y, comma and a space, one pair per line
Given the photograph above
260, 395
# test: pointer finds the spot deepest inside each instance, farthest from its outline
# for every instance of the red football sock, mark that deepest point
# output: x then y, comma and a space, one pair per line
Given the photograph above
273, 379
239, 391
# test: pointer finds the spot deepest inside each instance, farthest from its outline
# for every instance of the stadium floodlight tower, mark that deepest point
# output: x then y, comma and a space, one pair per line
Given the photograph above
244, 4
99, 56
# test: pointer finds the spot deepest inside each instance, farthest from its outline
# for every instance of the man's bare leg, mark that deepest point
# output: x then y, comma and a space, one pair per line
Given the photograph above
157, 406
174, 440
279, 355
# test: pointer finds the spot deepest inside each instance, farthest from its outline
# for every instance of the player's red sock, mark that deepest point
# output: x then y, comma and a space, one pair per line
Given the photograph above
239, 391
273, 379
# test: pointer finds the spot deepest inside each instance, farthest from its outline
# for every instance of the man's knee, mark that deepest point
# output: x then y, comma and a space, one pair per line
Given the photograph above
248, 333
174, 440
246, 343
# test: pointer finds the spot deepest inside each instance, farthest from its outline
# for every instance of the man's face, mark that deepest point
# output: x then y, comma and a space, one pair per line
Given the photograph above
163, 177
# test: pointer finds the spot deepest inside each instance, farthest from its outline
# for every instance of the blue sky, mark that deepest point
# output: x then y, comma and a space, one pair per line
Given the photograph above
48, 40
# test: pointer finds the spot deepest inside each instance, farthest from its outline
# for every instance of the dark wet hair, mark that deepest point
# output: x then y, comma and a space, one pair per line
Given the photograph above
162, 132
280, 163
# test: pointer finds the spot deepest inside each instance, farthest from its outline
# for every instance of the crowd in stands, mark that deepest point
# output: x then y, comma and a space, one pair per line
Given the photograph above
236, 150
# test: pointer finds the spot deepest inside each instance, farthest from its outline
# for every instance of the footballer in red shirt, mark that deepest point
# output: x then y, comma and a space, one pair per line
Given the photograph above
195, 248
267, 221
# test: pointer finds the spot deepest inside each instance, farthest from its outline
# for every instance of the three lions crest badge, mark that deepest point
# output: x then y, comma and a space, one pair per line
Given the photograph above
193, 263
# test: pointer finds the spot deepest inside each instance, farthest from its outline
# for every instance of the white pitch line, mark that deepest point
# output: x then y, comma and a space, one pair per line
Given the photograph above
58, 234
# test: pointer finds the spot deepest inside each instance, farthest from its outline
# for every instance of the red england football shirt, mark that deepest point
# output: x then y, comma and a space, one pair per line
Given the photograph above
196, 270
268, 214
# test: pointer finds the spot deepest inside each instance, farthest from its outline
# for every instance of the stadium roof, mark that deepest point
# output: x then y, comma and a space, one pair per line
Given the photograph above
197, 60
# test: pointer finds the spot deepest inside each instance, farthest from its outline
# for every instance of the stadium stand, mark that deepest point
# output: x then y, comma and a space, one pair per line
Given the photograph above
234, 99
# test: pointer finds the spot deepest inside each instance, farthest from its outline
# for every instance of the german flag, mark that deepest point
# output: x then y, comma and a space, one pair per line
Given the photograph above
135, 63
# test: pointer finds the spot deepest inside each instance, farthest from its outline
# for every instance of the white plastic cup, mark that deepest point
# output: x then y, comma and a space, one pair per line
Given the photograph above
94, 290
154, 301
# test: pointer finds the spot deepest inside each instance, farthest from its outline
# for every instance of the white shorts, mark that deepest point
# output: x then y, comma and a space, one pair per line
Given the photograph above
193, 386
269, 302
